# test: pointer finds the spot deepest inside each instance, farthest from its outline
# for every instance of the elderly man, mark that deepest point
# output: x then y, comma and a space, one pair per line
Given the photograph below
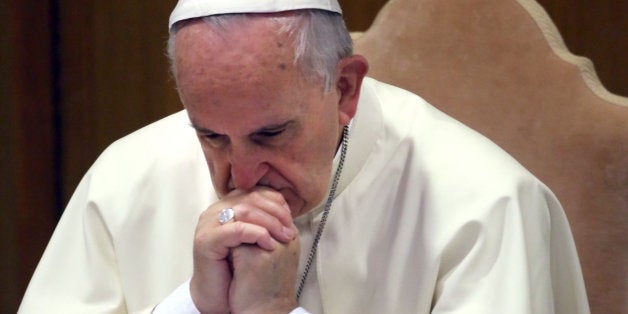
293, 183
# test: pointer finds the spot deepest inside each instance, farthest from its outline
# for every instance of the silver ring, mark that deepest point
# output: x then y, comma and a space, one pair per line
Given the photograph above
226, 215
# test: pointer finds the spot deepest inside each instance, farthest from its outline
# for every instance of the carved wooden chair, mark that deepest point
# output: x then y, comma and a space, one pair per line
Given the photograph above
502, 68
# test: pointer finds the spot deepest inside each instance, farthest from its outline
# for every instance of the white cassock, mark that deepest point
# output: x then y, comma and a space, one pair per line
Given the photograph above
429, 217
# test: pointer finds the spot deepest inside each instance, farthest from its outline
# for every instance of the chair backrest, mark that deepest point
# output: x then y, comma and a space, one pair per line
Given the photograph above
502, 68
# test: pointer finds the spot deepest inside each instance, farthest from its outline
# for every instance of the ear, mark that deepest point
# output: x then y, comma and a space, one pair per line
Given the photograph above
350, 72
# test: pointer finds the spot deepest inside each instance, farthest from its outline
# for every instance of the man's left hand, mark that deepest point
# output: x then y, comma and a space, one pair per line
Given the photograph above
264, 281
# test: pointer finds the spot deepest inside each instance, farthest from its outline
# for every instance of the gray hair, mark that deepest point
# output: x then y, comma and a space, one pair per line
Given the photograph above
321, 40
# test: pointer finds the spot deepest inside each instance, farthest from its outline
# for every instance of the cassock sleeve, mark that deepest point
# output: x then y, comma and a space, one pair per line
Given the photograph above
180, 301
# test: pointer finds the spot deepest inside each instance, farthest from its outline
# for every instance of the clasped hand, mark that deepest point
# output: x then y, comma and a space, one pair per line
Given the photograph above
248, 265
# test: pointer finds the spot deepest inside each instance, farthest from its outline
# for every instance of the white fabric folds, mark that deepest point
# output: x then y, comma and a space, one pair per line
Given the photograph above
188, 9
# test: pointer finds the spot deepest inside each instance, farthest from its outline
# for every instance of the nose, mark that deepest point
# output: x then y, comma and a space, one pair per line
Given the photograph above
248, 166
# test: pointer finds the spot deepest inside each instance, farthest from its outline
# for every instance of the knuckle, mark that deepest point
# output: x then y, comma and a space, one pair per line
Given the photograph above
243, 212
204, 215
198, 240
277, 197
201, 240
239, 229
253, 197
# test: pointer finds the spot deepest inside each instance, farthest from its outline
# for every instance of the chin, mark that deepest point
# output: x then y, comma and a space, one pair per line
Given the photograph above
300, 206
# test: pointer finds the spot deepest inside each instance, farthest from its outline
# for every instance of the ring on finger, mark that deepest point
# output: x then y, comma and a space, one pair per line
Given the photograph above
226, 215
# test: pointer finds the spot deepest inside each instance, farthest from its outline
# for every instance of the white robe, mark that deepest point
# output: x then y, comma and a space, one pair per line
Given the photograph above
429, 217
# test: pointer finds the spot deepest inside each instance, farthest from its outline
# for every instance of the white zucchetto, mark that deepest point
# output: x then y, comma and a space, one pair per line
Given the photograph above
187, 9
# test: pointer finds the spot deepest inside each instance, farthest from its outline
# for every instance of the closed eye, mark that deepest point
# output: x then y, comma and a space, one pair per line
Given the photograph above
215, 140
273, 135
270, 133
267, 136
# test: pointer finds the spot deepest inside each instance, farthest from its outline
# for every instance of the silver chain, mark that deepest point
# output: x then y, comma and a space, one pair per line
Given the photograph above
330, 198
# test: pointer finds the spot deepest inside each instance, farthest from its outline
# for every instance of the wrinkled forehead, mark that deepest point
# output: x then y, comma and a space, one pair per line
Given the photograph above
189, 9
257, 44
208, 64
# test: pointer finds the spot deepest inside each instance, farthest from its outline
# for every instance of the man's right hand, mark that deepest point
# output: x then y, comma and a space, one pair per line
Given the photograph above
262, 217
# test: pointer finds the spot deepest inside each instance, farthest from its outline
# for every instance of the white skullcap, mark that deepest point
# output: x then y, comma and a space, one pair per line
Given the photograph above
187, 9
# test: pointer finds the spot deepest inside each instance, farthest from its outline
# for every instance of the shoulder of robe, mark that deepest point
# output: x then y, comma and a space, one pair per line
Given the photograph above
166, 140
158, 155
451, 154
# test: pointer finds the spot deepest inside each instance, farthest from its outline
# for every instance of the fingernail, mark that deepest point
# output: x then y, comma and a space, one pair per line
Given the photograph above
288, 233
270, 245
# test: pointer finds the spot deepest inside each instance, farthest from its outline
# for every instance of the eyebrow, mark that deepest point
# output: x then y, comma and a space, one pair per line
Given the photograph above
200, 129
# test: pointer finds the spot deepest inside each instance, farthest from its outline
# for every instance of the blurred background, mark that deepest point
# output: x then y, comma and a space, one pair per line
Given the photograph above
77, 75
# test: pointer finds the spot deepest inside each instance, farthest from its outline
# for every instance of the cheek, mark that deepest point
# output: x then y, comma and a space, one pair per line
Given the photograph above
319, 156
219, 172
